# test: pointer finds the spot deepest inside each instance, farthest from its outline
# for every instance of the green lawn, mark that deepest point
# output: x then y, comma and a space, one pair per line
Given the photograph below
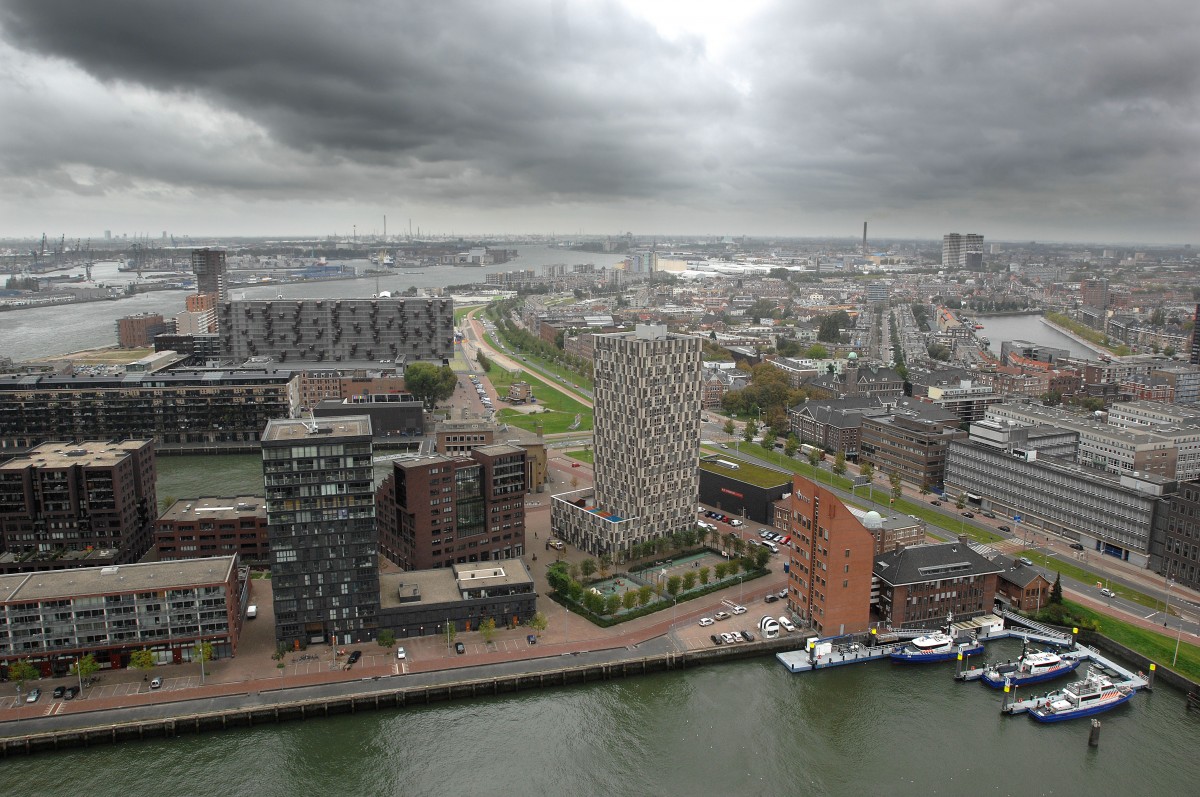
583, 455
557, 410
1158, 647
1071, 570
572, 377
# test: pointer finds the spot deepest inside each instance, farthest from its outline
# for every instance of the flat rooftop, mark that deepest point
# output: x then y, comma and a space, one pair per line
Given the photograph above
142, 577
746, 471
491, 574
63, 455
432, 586
300, 429
211, 508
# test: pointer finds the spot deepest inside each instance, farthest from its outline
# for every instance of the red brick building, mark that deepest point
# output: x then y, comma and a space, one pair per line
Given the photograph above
138, 331
829, 579
921, 585
441, 510
1022, 586
194, 528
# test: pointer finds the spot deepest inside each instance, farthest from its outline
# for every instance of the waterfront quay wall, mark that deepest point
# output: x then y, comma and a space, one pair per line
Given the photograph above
455, 687
1161, 671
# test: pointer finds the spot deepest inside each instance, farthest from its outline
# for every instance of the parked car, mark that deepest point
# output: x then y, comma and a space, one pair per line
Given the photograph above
1077, 546
783, 540
71, 692
355, 655
729, 639
739, 609
722, 615
460, 648
706, 621
787, 624
33, 695
746, 635
400, 654
770, 598
936, 503
782, 593
764, 534
967, 514
735, 522
1004, 528
989, 515
716, 639
58, 692
156, 683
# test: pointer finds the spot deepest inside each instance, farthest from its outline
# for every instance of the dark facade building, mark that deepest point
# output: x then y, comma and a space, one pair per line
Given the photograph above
321, 513
1180, 526
923, 584
109, 612
392, 414
71, 505
442, 510
195, 528
330, 331
182, 411
744, 490
856, 379
1194, 355
200, 349
210, 268
829, 575
913, 442
421, 602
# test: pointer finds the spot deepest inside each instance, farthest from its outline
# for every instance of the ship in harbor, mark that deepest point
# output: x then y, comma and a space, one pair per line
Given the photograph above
1031, 667
1094, 694
937, 646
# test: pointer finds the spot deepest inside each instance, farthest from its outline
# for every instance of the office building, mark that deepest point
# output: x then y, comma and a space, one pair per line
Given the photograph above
1094, 292
829, 573
422, 602
71, 505
332, 331
1179, 556
1194, 354
647, 428
321, 518
740, 488
52, 619
442, 510
138, 331
962, 251
920, 586
210, 269
911, 441
196, 528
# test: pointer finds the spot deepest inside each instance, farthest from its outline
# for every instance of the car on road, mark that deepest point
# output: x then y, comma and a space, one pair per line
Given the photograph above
722, 615
706, 621
58, 692
990, 515
967, 514
1077, 546
1025, 561
1108, 593
771, 598
787, 624
33, 696
156, 683
1004, 528
71, 692
739, 609
722, 445
400, 654
729, 639
460, 648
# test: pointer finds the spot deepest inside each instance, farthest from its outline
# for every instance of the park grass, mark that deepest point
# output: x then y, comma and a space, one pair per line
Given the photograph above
1087, 333
1071, 570
1153, 645
585, 455
557, 412
571, 377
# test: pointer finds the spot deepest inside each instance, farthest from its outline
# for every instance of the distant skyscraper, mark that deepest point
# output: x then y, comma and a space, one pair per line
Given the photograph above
1194, 359
647, 424
320, 497
962, 251
209, 267
1094, 293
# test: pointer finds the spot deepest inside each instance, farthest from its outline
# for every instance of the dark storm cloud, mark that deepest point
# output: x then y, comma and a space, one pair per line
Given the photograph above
565, 100
1079, 116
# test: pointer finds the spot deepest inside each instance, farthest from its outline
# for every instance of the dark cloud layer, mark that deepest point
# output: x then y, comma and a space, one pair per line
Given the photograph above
1080, 117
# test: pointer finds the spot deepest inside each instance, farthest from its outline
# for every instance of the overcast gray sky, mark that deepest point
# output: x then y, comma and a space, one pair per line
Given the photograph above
1021, 120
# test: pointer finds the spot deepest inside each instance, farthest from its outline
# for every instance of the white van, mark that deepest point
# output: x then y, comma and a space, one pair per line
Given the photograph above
770, 546
787, 624
251, 611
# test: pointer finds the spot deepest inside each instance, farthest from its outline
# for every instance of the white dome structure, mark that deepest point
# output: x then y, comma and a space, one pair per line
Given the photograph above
872, 520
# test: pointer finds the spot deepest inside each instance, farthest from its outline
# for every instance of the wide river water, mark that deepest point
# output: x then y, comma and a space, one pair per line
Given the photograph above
746, 728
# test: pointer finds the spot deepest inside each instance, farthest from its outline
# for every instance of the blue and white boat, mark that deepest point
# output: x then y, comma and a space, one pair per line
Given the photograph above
1032, 667
1094, 694
938, 646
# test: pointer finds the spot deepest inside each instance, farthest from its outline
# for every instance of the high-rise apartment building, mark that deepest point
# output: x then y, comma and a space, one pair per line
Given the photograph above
321, 517
332, 331
209, 268
439, 510
962, 251
1094, 292
647, 418
1194, 357
65, 505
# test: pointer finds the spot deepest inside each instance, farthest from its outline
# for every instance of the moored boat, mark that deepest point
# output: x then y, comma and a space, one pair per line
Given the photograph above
1094, 694
1031, 668
938, 646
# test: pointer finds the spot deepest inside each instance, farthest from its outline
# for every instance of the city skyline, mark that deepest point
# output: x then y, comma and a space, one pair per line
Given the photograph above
1026, 121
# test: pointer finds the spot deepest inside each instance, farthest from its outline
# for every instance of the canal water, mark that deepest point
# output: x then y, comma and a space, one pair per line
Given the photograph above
999, 328
746, 728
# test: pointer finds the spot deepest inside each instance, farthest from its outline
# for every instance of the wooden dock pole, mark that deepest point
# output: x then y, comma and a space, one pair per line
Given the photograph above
1094, 735
1007, 697
1150, 677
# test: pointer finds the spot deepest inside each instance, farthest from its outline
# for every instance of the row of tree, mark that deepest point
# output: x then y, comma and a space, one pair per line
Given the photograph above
86, 666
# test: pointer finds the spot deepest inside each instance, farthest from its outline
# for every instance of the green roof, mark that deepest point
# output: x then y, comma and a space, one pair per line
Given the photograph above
747, 472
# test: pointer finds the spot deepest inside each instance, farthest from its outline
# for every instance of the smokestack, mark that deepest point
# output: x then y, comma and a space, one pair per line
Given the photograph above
864, 239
